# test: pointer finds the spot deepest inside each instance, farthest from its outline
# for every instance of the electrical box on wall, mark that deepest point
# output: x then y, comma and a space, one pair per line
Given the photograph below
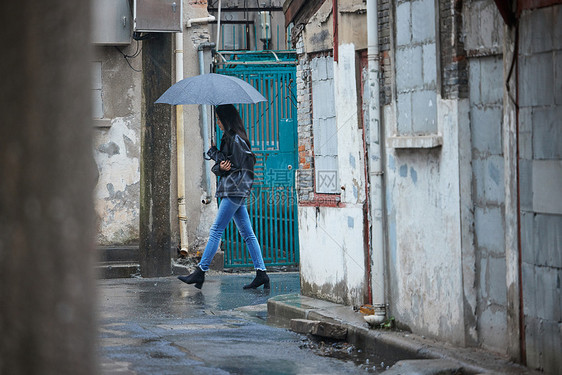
264, 25
111, 22
158, 15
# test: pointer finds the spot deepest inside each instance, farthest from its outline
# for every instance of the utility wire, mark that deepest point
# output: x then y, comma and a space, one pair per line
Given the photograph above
134, 55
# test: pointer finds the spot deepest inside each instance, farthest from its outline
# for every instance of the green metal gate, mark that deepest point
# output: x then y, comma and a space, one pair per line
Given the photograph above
271, 127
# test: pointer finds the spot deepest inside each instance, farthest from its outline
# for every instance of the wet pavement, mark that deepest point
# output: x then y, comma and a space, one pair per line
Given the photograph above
163, 326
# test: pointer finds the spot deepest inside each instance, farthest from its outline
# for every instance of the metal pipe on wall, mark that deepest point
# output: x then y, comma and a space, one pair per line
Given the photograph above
376, 150
218, 25
206, 198
182, 211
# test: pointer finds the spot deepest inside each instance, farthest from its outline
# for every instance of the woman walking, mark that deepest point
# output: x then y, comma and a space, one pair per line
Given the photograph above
235, 167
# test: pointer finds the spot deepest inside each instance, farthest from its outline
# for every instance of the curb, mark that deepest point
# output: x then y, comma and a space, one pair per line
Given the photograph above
401, 345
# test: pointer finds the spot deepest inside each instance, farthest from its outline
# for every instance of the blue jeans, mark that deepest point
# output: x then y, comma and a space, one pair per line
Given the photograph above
232, 208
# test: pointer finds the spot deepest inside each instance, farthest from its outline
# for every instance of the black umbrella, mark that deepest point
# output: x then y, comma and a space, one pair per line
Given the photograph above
213, 89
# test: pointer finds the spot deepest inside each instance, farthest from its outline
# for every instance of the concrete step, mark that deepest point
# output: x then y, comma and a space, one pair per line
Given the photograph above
119, 254
117, 270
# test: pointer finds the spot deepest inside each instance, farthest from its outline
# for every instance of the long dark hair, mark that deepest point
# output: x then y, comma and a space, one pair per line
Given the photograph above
232, 122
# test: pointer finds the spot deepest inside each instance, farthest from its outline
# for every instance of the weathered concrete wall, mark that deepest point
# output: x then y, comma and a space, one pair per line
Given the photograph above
117, 148
332, 260
430, 253
540, 177
199, 215
332, 254
483, 32
425, 228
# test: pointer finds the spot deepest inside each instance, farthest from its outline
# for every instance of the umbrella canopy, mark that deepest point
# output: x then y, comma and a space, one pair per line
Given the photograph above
213, 89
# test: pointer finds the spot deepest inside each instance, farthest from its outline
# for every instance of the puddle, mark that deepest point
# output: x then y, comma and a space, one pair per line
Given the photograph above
369, 361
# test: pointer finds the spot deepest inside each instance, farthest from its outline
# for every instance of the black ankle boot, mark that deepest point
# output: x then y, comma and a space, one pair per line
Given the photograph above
261, 279
197, 278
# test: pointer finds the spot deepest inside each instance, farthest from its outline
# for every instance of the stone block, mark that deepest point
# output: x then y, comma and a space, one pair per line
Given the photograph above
429, 68
483, 26
547, 195
525, 134
536, 31
492, 327
552, 339
525, 183
496, 282
486, 129
409, 69
490, 234
304, 326
533, 341
403, 24
491, 76
547, 235
547, 133
478, 178
483, 275
474, 80
536, 80
329, 330
318, 68
404, 113
424, 112
425, 367
423, 21
529, 286
547, 294
558, 76
528, 253
493, 180
557, 28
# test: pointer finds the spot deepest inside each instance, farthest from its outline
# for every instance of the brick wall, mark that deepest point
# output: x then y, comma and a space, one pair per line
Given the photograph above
454, 67
305, 173
384, 28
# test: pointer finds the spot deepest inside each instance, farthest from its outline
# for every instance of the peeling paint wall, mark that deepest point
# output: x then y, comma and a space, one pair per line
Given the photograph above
117, 148
332, 264
425, 229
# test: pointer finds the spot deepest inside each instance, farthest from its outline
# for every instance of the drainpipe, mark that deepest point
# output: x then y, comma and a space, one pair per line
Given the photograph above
182, 212
206, 198
376, 149
218, 25
335, 29
199, 20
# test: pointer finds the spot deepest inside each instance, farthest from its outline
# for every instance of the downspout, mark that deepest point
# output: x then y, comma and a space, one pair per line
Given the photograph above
207, 197
335, 29
182, 211
199, 20
376, 150
218, 25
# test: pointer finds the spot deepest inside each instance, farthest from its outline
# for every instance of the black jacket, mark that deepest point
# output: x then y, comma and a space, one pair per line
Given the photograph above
238, 181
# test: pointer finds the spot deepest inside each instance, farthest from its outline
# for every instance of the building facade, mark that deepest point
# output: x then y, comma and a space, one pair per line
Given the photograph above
430, 166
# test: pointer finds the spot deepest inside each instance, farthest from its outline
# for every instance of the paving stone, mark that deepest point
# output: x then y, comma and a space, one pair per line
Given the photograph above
303, 325
425, 367
329, 330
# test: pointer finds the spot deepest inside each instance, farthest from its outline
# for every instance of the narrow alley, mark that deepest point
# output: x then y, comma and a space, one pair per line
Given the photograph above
162, 326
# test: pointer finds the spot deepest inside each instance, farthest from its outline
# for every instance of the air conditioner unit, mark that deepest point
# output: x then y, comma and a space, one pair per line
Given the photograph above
157, 16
